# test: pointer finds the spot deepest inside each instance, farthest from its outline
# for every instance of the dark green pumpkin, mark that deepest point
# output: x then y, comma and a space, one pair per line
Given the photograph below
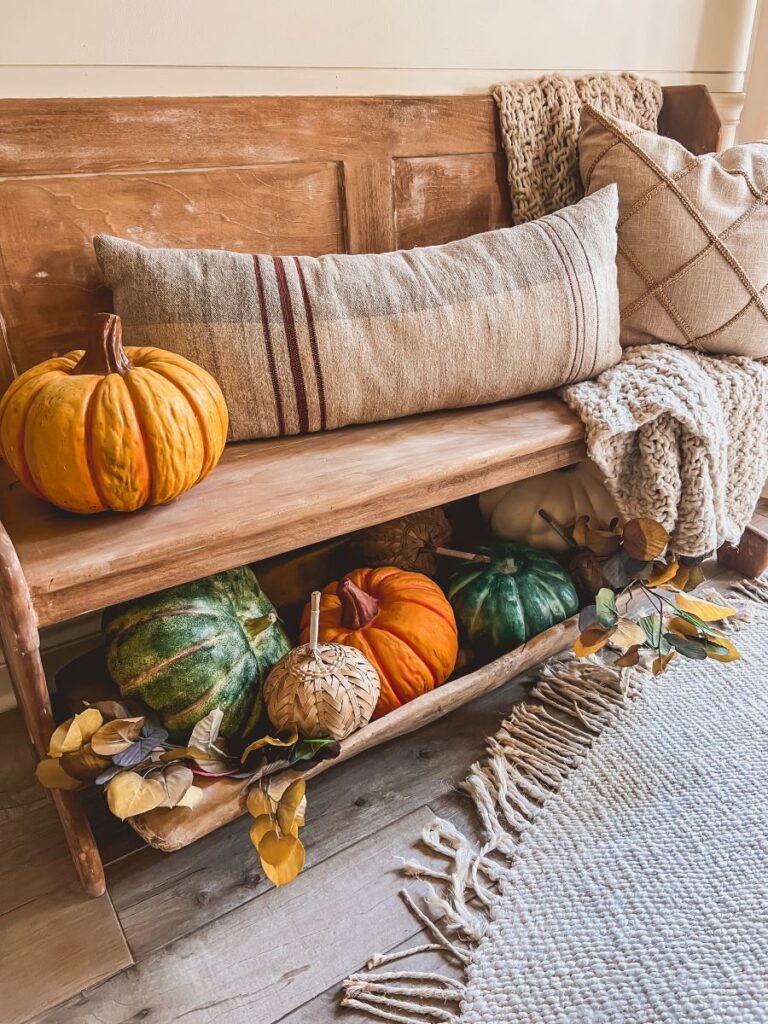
203, 645
520, 593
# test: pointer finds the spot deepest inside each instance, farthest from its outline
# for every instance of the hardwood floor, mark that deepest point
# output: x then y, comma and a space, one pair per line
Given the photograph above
54, 941
199, 935
209, 937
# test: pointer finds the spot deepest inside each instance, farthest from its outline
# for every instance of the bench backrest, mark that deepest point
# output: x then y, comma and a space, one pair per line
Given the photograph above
281, 175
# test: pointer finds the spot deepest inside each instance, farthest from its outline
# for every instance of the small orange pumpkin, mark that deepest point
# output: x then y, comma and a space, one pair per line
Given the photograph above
401, 621
112, 428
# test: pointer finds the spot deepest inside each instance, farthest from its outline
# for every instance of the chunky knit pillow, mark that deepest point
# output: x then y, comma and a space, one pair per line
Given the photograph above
693, 236
301, 344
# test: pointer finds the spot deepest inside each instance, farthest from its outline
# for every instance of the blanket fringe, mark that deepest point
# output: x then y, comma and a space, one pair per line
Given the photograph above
535, 750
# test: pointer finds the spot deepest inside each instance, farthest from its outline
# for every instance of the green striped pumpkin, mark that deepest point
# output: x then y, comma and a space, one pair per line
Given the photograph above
520, 593
203, 645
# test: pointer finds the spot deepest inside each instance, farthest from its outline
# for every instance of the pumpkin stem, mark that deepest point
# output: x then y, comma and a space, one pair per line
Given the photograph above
253, 627
357, 607
105, 353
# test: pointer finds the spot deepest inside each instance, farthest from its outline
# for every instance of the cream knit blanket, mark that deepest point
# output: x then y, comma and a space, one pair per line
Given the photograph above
682, 438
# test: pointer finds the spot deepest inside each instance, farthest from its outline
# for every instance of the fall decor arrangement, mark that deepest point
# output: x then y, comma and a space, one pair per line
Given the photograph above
211, 687
112, 428
409, 542
512, 511
321, 689
402, 623
632, 557
506, 593
130, 756
196, 647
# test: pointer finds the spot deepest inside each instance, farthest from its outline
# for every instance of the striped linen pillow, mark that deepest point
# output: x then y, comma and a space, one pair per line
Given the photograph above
300, 344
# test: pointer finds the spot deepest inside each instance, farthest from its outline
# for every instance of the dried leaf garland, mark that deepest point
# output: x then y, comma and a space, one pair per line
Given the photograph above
634, 555
275, 829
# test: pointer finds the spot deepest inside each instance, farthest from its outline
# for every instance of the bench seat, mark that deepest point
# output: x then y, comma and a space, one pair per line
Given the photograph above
268, 497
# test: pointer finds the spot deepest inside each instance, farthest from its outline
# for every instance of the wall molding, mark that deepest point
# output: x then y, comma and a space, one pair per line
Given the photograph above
43, 81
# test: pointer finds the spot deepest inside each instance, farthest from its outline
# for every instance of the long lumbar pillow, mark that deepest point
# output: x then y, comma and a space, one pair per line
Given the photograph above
301, 344
693, 236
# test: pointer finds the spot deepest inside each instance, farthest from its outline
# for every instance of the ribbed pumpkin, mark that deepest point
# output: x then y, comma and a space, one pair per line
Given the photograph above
402, 623
112, 428
519, 593
200, 646
513, 510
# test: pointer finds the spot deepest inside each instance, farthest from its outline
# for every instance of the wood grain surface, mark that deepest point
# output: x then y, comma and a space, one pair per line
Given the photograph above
274, 174
266, 497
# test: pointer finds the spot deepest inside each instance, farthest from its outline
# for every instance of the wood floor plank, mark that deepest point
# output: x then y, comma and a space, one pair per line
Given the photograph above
326, 1008
161, 897
54, 940
269, 957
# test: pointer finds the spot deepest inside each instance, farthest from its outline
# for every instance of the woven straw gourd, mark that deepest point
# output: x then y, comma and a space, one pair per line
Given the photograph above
322, 689
407, 542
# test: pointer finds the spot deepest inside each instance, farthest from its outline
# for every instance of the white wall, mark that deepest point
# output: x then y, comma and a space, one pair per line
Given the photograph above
178, 47
209, 47
754, 119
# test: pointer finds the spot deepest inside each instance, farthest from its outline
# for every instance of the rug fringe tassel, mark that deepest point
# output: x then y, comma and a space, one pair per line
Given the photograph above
535, 750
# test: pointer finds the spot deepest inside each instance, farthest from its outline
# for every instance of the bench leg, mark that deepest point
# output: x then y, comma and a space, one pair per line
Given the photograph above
21, 644
749, 557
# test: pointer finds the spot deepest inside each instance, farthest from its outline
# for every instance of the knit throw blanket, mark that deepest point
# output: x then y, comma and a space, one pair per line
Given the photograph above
540, 129
682, 438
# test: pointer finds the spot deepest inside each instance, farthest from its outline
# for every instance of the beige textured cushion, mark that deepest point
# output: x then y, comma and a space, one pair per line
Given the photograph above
693, 236
301, 344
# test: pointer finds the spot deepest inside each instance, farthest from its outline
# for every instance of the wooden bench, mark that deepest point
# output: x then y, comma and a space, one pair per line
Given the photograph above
278, 175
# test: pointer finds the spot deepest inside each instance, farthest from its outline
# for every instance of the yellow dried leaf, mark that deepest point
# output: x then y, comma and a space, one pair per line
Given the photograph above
175, 778
191, 798
84, 764
662, 573
644, 539
681, 627
579, 531
289, 803
282, 857
270, 741
603, 542
117, 735
720, 641
627, 633
261, 825
51, 775
75, 732
591, 641
660, 664
258, 802
301, 813
680, 580
128, 794
707, 611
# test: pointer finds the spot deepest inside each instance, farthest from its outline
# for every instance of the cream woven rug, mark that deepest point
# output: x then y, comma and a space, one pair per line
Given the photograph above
639, 893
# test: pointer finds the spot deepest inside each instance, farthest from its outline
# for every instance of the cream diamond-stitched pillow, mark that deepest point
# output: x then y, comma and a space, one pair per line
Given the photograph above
693, 236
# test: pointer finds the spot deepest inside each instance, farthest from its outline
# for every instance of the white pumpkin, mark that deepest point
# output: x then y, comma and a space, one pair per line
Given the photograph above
512, 510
